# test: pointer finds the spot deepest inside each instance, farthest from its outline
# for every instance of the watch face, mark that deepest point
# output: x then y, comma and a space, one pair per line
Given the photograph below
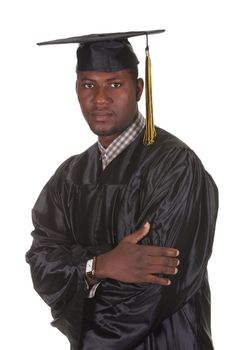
89, 266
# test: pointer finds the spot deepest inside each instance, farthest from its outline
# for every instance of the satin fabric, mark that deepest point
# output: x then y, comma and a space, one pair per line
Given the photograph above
106, 56
83, 211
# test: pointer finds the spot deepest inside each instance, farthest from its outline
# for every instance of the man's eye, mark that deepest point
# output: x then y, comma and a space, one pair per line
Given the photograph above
88, 85
116, 85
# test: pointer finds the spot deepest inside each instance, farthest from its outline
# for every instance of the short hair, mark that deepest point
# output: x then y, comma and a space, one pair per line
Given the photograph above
134, 73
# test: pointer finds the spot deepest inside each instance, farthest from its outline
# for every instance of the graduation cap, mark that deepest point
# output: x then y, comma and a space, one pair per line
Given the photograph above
109, 52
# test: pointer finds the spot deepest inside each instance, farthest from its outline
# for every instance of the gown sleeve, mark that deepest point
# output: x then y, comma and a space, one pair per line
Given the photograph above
57, 262
182, 209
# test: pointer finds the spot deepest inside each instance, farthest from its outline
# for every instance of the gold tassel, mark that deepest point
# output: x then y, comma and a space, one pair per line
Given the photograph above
150, 131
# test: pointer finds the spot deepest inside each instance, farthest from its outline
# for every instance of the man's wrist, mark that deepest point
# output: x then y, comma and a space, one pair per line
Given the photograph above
91, 270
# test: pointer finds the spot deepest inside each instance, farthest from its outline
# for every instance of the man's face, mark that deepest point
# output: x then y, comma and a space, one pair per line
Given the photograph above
108, 101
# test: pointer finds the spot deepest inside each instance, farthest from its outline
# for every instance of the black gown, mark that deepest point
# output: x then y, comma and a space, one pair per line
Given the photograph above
83, 211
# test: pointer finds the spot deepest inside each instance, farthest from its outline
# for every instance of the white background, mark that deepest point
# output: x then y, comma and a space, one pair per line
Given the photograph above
41, 125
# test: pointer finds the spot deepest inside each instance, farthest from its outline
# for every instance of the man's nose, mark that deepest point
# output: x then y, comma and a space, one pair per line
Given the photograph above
102, 96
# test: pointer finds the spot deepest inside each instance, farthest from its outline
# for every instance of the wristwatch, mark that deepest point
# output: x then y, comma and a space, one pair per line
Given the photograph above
90, 268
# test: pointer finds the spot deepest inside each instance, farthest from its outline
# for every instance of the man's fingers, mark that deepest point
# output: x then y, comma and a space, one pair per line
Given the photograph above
158, 280
160, 269
161, 251
138, 235
155, 251
163, 261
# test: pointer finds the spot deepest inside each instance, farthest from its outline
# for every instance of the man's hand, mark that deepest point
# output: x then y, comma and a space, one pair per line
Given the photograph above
132, 263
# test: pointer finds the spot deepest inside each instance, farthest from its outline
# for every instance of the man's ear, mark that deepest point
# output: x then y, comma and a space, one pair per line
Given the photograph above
139, 88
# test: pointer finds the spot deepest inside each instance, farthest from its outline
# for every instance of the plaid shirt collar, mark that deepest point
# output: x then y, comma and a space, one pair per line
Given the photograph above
122, 141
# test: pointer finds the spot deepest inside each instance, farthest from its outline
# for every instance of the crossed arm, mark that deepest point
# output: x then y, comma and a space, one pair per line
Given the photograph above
58, 265
133, 263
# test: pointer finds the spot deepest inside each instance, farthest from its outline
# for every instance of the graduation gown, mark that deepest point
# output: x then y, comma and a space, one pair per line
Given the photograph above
83, 211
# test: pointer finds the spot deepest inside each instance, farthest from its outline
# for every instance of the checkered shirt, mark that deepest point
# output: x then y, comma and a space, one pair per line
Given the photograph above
122, 141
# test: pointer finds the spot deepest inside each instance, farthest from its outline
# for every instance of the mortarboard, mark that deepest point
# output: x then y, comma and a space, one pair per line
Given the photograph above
110, 52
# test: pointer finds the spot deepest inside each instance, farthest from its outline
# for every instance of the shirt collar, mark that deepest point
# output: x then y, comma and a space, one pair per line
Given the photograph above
122, 141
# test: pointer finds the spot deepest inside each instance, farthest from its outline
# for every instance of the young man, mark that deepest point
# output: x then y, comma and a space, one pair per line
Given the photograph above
114, 224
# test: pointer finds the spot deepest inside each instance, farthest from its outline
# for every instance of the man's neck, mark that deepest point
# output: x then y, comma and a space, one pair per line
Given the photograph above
105, 141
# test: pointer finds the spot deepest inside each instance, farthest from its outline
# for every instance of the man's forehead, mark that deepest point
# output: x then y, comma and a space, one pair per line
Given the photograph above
95, 75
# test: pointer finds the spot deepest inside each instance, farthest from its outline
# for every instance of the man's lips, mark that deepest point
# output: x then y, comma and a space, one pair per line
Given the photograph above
101, 115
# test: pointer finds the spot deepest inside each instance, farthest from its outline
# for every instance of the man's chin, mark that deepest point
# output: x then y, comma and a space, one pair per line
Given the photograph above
103, 132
